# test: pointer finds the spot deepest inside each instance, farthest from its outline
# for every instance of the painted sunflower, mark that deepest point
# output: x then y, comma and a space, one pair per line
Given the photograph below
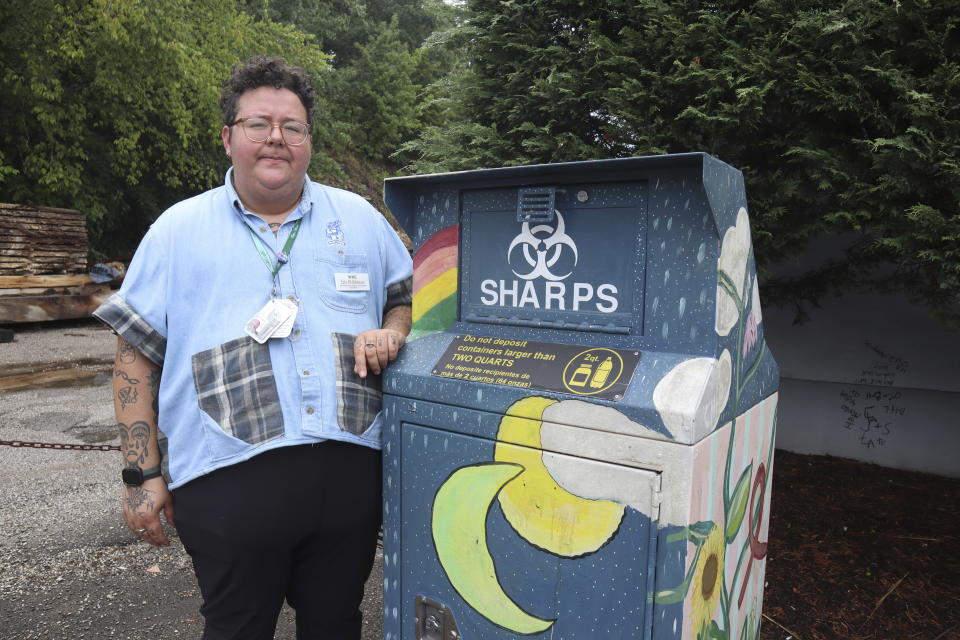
707, 580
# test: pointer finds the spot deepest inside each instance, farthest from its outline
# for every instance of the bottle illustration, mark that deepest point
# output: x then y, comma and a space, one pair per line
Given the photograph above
603, 372
581, 375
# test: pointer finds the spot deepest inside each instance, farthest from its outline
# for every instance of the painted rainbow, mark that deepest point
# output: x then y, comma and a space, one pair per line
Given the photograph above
435, 283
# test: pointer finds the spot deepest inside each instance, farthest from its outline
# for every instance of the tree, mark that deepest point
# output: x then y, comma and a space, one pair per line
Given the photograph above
111, 107
843, 118
374, 97
340, 25
377, 93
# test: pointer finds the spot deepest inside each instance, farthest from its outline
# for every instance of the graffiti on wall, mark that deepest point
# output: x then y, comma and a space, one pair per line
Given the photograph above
870, 409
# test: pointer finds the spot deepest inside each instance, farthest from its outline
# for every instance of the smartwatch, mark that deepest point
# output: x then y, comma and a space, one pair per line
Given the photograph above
135, 476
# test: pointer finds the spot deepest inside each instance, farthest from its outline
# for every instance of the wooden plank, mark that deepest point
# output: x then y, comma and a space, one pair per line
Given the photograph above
18, 242
30, 207
57, 280
55, 252
25, 234
87, 289
38, 226
42, 240
42, 308
56, 377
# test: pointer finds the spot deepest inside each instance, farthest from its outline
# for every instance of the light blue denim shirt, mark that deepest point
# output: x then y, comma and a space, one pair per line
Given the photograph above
197, 278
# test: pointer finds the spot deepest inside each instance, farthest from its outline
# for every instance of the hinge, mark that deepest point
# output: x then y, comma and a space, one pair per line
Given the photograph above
434, 621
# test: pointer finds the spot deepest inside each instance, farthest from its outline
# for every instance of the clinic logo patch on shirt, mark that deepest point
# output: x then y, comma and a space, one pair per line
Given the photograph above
335, 233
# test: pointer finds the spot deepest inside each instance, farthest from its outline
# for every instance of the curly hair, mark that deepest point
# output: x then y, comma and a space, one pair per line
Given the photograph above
265, 71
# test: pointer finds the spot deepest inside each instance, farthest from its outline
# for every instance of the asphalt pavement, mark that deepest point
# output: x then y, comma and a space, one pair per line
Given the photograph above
69, 568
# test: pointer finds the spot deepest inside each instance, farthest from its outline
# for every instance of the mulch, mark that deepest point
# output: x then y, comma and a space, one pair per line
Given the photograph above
861, 552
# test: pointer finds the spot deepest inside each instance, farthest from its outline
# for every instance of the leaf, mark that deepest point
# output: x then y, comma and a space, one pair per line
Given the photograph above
738, 504
715, 633
672, 596
699, 531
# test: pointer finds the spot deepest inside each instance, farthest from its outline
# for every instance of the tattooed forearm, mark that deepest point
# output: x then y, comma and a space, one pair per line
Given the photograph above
126, 353
398, 319
153, 381
133, 441
120, 373
127, 395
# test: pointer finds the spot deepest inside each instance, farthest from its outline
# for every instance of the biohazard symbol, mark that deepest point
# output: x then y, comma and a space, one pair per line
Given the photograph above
547, 249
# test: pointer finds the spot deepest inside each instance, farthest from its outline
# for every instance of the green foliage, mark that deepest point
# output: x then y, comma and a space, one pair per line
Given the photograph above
376, 96
340, 25
843, 117
110, 107
377, 93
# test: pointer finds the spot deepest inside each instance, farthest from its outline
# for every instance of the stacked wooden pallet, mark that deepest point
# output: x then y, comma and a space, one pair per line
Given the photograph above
43, 265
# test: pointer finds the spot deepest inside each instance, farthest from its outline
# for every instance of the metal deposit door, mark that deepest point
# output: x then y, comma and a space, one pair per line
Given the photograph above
576, 265
504, 540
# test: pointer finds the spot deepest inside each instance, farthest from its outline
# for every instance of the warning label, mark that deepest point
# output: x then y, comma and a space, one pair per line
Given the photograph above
598, 372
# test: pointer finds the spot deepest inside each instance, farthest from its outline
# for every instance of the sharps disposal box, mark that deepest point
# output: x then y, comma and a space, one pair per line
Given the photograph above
578, 435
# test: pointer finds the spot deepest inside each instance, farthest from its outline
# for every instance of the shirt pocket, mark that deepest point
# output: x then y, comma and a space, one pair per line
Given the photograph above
359, 400
329, 265
237, 389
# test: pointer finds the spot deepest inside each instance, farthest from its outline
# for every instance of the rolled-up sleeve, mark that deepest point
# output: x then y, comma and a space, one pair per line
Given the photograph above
398, 268
137, 312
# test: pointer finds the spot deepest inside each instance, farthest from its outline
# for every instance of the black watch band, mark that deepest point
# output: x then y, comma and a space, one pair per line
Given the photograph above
135, 476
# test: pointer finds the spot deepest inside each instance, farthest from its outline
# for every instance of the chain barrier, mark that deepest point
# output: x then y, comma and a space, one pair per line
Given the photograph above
61, 446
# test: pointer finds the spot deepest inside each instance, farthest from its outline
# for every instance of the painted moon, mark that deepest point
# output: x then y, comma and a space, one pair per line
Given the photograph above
540, 510
459, 526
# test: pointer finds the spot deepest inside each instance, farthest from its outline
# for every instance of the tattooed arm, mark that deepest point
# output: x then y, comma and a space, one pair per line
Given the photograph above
136, 382
386, 342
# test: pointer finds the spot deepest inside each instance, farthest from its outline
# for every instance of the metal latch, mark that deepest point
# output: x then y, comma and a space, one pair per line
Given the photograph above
434, 621
536, 204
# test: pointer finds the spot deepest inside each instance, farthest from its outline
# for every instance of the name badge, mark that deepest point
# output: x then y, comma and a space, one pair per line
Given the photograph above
274, 320
352, 281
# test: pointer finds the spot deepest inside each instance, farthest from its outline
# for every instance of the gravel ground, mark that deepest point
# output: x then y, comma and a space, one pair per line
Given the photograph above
69, 568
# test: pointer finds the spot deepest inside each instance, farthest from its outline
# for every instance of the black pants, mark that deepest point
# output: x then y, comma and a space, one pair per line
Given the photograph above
298, 523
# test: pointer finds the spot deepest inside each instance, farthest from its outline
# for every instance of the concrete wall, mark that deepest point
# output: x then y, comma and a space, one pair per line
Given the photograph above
871, 377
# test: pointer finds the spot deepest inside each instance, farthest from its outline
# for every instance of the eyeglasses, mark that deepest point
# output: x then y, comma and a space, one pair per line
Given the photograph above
259, 129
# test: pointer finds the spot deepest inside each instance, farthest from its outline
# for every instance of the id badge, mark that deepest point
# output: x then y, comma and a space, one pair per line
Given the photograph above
276, 315
352, 281
287, 325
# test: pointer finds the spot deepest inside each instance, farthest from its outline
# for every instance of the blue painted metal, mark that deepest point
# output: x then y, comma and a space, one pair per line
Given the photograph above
648, 228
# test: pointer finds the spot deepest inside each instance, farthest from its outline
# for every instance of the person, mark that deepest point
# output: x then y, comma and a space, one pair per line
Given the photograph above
258, 317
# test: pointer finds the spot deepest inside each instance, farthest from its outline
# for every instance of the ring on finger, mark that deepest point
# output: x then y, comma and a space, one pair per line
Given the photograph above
370, 345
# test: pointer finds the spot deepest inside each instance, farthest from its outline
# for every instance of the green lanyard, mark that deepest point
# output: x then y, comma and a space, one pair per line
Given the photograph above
283, 256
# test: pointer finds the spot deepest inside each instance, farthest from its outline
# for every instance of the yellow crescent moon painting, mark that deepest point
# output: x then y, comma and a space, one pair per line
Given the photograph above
460, 537
541, 511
